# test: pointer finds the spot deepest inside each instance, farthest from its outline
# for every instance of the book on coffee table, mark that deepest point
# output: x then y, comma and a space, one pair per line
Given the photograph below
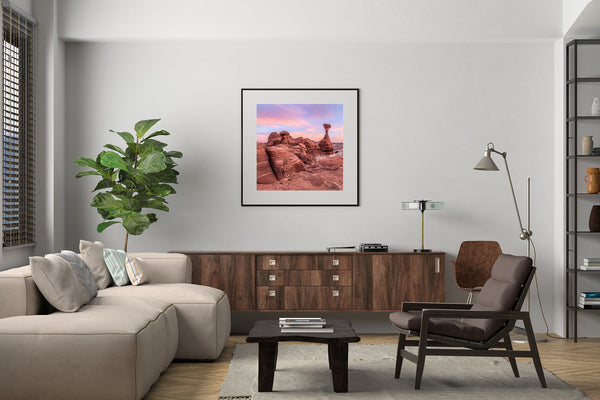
294, 329
304, 325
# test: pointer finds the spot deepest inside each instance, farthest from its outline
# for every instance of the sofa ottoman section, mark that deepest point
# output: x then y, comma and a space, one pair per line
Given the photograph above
203, 315
110, 349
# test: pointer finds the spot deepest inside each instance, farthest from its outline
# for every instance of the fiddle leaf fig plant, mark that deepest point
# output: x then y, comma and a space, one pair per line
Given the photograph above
134, 178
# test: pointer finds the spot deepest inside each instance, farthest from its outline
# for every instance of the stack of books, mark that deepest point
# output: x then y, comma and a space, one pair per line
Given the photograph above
304, 325
589, 300
590, 264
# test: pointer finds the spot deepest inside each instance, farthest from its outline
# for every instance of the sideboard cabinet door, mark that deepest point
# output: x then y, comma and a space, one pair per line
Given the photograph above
232, 273
383, 281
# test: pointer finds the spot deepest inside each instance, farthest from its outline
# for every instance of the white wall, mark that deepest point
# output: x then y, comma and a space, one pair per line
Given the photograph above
427, 112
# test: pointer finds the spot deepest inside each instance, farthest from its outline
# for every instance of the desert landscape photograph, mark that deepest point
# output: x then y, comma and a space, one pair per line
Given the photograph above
299, 147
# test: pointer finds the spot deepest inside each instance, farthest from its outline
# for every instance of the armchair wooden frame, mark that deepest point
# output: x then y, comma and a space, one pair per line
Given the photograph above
499, 345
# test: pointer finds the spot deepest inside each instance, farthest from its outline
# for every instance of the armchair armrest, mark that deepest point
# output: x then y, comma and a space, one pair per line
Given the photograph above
419, 306
439, 313
167, 267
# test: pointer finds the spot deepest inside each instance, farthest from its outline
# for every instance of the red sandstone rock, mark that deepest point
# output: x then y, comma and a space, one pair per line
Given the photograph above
274, 138
332, 163
284, 163
325, 144
286, 138
264, 173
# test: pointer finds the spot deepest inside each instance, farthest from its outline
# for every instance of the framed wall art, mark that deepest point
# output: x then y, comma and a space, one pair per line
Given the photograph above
299, 147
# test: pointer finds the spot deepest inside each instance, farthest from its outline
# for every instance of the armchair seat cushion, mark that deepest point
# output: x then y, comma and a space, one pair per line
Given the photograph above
445, 327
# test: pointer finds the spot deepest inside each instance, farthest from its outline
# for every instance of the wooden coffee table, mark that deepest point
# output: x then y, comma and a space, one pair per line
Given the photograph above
268, 335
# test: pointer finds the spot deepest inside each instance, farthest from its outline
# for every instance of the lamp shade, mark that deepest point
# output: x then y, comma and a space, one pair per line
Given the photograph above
486, 163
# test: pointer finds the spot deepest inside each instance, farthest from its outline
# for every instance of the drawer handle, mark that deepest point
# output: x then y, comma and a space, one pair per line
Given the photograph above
336, 262
272, 262
272, 293
272, 277
335, 278
336, 293
437, 265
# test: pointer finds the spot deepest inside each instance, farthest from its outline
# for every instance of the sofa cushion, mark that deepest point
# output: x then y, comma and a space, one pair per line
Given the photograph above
92, 255
19, 294
137, 271
113, 348
115, 261
203, 315
81, 271
58, 283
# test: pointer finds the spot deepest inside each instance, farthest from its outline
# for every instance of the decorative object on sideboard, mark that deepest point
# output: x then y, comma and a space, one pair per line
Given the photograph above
487, 164
299, 147
592, 179
595, 107
422, 205
373, 248
136, 177
595, 219
587, 143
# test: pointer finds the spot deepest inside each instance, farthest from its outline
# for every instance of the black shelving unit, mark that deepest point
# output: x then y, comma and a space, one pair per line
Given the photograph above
574, 185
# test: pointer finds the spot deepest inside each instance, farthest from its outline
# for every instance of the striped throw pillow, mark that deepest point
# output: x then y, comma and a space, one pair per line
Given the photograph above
137, 271
115, 261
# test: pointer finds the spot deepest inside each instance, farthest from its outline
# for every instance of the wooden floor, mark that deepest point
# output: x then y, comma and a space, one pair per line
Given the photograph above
578, 364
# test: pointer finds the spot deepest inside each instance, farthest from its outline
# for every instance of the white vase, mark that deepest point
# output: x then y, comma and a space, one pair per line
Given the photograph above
586, 145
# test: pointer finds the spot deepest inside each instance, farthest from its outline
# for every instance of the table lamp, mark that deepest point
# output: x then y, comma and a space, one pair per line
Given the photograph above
422, 205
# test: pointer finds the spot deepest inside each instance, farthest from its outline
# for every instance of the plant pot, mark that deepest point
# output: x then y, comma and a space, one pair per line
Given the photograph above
595, 219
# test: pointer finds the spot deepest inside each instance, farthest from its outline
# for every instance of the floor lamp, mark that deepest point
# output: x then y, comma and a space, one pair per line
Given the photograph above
487, 164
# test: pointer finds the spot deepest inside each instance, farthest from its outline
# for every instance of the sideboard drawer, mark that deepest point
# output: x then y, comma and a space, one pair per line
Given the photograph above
317, 298
269, 298
325, 277
273, 277
280, 261
334, 261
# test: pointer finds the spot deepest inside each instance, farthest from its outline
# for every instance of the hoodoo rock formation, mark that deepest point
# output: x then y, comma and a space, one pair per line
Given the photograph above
325, 143
288, 163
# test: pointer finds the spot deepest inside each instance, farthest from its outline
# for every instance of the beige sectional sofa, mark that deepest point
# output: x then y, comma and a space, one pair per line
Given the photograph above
116, 346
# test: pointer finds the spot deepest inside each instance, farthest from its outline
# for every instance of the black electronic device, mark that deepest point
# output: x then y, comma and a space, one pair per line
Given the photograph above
373, 248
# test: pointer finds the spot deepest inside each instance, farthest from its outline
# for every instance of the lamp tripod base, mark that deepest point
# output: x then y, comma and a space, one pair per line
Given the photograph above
422, 250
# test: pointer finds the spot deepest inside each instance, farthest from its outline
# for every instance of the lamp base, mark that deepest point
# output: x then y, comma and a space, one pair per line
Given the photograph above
422, 250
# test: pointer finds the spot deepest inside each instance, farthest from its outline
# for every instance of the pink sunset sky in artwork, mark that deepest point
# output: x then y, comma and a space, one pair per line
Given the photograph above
305, 120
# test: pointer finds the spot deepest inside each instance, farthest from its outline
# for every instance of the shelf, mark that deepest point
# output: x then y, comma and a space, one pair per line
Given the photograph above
582, 233
582, 194
580, 270
581, 156
582, 80
572, 308
583, 117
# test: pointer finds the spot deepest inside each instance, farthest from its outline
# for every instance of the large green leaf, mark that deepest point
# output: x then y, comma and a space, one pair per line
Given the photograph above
161, 190
103, 184
127, 137
106, 201
135, 223
86, 162
103, 225
156, 204
174, 154
157, 133
85, 173
151, 163
111, 159
115, 148
141, 127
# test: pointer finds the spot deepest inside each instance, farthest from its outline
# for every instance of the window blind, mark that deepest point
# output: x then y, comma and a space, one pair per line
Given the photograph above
18, 126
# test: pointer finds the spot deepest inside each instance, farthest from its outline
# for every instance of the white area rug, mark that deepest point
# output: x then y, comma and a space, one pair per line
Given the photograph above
303, 373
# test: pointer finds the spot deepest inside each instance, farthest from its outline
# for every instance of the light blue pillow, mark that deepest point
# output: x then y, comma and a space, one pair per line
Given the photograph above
115, 261
81, 271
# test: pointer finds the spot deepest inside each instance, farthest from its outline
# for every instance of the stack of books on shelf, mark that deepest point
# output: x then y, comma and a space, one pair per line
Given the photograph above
589, 300
590, 264
304, 325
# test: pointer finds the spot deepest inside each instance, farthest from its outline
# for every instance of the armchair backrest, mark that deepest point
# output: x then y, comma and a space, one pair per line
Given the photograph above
504, 291
474, 262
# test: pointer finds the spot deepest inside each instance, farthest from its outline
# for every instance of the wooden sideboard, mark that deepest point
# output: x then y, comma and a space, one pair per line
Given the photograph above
313, 281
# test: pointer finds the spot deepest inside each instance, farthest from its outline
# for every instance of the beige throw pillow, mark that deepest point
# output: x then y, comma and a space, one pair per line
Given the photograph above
137, 271
58, 283
93, 256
